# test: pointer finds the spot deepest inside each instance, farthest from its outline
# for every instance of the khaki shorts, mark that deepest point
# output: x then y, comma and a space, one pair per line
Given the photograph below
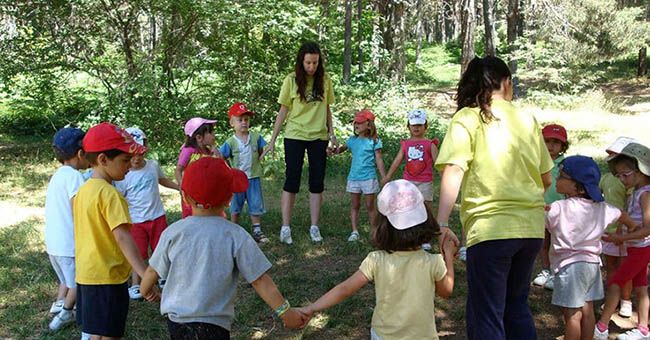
426, 188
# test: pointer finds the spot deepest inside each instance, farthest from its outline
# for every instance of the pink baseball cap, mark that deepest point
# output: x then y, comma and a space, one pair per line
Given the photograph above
193, 124
402, 203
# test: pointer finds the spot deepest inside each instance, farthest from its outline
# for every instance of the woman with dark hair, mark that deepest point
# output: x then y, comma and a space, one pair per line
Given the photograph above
305, 100
495, 156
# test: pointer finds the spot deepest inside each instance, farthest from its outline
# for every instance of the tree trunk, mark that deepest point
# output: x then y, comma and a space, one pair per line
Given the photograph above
398, 67
457, 9
512, 32
359, 35
468, 21
490, 31
419, 31
347, 45
642, 69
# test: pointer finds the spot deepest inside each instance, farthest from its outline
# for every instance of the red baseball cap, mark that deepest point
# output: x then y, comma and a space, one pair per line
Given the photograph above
555, 131
363, 116
237, 109
106, 136
210, 182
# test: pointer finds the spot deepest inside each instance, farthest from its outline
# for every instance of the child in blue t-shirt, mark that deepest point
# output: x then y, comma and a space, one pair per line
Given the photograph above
244, 151
362, 179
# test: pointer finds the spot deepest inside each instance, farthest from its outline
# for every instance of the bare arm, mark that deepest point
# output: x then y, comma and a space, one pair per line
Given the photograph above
445, 286
339, 293
393, 167
330, 129
168, 183
148, 286
129, 249
547, 180
380, 164
279, 120
268, 291
452, 177
178, 173
640, 231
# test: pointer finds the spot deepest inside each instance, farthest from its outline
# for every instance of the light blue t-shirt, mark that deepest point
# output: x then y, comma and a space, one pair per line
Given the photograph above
363, 158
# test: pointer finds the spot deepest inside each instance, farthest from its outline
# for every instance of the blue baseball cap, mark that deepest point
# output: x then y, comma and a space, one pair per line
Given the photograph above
69, 140
585, 171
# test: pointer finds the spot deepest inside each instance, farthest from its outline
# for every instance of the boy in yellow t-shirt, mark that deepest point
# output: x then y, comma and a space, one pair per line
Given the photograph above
104, 248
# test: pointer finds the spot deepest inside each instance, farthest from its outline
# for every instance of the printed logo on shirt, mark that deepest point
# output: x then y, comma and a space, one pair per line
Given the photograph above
415, 161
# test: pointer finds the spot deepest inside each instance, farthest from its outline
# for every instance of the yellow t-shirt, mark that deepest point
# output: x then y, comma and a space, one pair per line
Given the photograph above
405, 286
615, 194
98, 209
502, 189
306, 120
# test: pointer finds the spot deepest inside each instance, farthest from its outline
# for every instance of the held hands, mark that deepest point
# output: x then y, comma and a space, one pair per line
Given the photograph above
153, 294
270, 148
613, 238
447, 234
295, 318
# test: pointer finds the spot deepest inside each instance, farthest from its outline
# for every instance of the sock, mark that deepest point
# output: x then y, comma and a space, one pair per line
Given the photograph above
313, 225
643, 329
65, 312
601, 326
287, 226
257, 228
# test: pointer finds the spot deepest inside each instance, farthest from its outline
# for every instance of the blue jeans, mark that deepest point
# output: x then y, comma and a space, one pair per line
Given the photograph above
498, 280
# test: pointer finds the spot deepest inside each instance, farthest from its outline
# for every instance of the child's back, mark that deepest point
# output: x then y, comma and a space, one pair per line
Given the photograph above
59, 227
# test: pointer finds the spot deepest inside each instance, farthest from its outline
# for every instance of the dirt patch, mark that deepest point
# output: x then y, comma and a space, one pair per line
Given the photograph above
13, 213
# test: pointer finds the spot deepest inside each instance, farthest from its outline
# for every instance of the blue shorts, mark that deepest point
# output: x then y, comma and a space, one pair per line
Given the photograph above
253, 196
102, 309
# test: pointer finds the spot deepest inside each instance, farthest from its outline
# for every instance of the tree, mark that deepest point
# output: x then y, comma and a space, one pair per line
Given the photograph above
347, 49
468, 24
490, 30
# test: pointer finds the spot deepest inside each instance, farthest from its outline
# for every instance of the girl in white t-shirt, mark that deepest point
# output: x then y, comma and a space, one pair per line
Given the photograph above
406, 278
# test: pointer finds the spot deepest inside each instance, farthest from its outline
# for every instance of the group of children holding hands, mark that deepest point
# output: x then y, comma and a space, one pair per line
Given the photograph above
99, 228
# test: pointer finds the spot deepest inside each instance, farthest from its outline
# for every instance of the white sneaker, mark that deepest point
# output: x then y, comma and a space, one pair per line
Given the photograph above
462, 254
85, 336
542, 277
62, 319
354, 237
314, 233
549, 283
426, 246
134, 292
626, 309
57, 306
598, 335
632, 334
285, 235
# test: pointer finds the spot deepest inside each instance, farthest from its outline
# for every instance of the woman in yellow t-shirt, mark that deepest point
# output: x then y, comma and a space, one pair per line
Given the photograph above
305, 100
494, 154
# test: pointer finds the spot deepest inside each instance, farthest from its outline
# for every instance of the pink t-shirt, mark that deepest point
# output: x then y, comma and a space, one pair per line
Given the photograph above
419, 161
576, 226
185, 156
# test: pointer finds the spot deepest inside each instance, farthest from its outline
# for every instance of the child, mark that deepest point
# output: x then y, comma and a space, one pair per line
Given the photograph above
140, 189
202, 256
555, 138
632, 167
199, 142
406, 279
244, 149
615, 194
362, 179
104, 249
420, 154
59, 227
576, 225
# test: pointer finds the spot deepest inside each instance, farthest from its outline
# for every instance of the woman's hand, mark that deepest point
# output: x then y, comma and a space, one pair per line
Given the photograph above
270, 148
447, 234
334, 142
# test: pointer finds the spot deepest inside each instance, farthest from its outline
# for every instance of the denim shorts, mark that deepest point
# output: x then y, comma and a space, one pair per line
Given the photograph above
253, 196
577, 283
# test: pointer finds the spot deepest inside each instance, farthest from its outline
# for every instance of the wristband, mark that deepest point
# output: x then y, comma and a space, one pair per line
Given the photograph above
444, 224
284, 307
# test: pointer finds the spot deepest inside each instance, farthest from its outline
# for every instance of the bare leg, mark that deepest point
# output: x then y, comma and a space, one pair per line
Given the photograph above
572, 318
588, 322
256, 219
70, 298
315, 201
234, 218
611, 301
546, 246
135, 279
644, 304
63, 290
287, 202
372, 210
626, 293
355, 206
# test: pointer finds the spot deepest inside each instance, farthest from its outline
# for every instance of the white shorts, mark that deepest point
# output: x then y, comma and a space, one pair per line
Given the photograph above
426, 188
64, 269
366, 187
612, 249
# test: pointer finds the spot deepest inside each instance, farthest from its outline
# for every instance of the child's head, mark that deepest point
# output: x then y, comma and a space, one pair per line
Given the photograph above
619, 144
555, 137
364, 124
482, 77
579, 177
109, 150
309, 63
417, 122
239, 116
199, 132
209, 183
137, 161
404, 222
67, 146
632, 165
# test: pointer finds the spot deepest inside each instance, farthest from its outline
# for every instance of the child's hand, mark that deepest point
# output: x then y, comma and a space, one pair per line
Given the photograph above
330, 151
293, 318
614, 238
270, 148
449, 248
153, 294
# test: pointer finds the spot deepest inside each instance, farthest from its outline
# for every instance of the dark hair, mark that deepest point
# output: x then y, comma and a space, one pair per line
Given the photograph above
318, 89
91, 157
63, 156
483, 75
565, 147
203, 129
386, 237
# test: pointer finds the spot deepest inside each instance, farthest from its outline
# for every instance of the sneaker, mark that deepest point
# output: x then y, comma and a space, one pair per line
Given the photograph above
57, 306
285, 235
85, 336
62, 319
632, 334
354, 237
134, 292
542, 277
259, 236
548, 285
462, 254
426, 246
314, 233
626, 309
598, 335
